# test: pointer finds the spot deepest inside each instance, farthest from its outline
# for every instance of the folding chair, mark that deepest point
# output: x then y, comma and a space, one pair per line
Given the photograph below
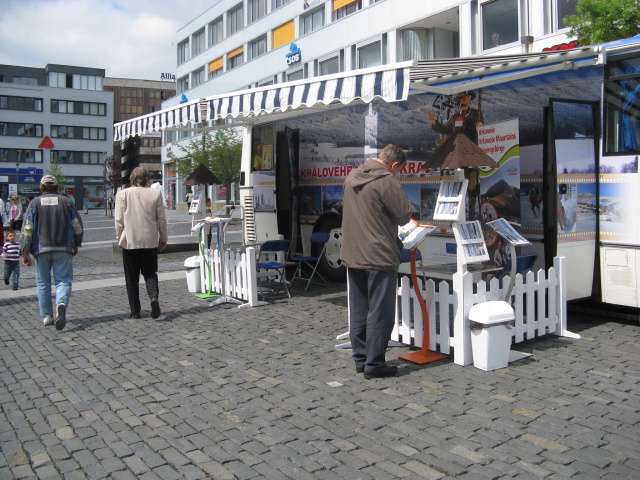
271, 267
317, 238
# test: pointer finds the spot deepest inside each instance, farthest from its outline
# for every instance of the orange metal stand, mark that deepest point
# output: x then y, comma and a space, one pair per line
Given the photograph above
423, 356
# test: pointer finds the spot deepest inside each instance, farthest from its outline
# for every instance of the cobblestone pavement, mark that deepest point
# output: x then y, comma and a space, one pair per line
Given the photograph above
228, 393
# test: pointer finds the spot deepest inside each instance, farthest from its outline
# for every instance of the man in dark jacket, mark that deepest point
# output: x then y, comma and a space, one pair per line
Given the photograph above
52, 234
374, 207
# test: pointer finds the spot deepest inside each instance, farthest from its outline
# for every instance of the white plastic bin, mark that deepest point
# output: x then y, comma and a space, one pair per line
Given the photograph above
192, 268
491, 324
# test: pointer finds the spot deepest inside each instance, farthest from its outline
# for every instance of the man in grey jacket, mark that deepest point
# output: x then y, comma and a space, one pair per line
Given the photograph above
141, 230
374, 207
52, 234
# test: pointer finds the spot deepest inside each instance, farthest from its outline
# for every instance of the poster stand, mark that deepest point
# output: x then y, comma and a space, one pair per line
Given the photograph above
413, 240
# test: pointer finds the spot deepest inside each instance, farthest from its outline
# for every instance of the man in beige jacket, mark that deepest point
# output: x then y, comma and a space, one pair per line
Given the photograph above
141, 230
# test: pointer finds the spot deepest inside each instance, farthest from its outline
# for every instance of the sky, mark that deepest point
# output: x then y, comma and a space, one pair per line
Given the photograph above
128, 38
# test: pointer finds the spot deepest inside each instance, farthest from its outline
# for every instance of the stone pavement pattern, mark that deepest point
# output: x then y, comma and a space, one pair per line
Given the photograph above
231, 393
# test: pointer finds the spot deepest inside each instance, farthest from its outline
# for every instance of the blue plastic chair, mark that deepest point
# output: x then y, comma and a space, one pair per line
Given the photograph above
311, 261
524, 262
273, 247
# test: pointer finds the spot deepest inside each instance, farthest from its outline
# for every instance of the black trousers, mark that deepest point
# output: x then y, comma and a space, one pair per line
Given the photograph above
136, 261
372, 307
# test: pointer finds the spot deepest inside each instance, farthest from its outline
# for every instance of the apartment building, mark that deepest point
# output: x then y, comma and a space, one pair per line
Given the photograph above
58, 114
132, 98
251, 43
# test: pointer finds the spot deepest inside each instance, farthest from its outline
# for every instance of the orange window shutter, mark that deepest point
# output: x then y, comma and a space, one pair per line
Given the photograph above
342, 3
215, 65
235, 52
283, 34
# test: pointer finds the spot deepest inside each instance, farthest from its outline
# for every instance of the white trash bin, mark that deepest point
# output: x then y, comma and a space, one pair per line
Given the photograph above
491, 324
192, 268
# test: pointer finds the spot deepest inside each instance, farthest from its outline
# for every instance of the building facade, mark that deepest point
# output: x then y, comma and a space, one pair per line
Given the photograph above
57, 114
132, 98
251, 43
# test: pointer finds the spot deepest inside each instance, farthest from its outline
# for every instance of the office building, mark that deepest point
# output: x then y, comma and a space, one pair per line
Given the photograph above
242, 44
55, 114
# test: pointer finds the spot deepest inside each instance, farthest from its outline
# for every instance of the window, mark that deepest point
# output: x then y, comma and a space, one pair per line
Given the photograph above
499, 23
26, 104
79, 108
18, 155
370, 55
197, 43
25, 80
622, 107
297, 75
183, 84
312, 21
215, 68
329, 66
215, 31
235, 19
197, 77
565, 8
183, 51
256, 9
279, 3
86, 82
257, 47
415, 44
342, 8
234, 61
69, 156
12, 129
60, 80
83, 133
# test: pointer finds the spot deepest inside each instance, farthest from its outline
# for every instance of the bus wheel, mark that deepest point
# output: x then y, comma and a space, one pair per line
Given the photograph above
331, 266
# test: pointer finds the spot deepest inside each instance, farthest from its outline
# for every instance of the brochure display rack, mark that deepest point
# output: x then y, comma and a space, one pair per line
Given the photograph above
451, 200
471, 242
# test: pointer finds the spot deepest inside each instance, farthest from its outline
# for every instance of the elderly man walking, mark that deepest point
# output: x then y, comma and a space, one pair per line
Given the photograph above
51, 236
141, 230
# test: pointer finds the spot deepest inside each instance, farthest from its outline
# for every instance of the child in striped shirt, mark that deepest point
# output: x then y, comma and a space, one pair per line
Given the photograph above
11, 254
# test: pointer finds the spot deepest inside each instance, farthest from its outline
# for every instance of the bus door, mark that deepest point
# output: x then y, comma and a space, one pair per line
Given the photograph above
570, 212
287, 211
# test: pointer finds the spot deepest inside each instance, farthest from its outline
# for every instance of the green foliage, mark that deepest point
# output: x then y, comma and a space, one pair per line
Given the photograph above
219, 151
56, 171
599, 21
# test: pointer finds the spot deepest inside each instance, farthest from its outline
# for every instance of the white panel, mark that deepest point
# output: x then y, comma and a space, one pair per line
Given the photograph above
580, 260
620, 268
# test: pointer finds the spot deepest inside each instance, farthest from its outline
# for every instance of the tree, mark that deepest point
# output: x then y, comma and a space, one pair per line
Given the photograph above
56, 171
113, 179
599, 21
220, 152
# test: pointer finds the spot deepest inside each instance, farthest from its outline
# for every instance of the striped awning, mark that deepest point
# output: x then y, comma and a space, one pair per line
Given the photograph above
389, 82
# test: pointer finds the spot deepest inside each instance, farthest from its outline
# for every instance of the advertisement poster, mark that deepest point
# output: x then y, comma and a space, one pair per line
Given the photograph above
93, 196
500, 188
264, 187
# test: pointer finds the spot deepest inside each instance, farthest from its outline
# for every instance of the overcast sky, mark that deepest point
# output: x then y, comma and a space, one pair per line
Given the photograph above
128, 38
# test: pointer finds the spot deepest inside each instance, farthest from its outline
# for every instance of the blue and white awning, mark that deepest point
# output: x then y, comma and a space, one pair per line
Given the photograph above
389, 82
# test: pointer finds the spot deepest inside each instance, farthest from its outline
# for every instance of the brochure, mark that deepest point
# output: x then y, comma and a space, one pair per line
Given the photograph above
419, 233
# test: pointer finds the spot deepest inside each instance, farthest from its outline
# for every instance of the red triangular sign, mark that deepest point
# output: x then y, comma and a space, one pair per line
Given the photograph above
46, 142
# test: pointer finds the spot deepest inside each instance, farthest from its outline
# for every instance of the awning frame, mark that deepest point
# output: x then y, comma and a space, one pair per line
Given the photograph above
389, 82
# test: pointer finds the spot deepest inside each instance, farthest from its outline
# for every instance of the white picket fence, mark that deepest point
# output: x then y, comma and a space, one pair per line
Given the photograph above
236, 270
538, 300
239, 276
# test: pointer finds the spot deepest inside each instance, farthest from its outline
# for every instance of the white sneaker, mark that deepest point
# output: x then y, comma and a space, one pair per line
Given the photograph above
48, 320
